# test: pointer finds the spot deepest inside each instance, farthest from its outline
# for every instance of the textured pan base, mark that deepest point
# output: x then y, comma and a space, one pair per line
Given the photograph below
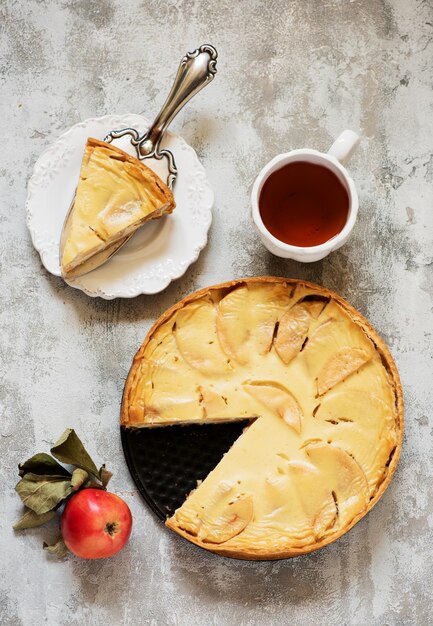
167, 463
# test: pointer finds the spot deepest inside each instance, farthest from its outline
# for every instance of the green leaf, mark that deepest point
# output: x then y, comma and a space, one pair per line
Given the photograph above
69, 449
43, 493
42, 464
105, 476
58, 549
30, 519
78, 479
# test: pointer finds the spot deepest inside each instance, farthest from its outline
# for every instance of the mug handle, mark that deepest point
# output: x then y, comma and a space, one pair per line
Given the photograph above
344, 146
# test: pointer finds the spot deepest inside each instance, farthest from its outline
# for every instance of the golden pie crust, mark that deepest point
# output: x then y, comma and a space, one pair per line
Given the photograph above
326, 400
115, 195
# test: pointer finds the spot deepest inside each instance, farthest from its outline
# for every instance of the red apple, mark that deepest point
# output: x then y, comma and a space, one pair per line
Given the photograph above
95, 524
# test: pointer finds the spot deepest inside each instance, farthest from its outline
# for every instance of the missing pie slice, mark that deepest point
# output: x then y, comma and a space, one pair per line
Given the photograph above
324, 399
116, 194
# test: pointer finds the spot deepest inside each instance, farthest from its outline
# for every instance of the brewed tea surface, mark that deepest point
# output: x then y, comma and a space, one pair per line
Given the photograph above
304, 204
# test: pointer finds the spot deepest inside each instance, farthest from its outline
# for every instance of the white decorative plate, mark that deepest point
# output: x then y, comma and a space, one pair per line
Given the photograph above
160, 251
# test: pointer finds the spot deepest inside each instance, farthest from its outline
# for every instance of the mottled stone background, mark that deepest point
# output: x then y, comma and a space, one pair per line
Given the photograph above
291, 74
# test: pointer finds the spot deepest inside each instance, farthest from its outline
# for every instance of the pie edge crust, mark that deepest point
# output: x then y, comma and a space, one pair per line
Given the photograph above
274, 553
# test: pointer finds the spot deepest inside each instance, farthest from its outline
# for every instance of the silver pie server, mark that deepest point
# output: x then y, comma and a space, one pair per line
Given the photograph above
196, 70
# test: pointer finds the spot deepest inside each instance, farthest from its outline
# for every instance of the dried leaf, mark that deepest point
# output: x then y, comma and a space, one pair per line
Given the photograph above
43, 493
42, 464
105, 476
79, 477
69, 449
30, 519
58, 549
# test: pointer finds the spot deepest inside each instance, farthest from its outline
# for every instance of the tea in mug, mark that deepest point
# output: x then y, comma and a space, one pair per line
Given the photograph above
304, 204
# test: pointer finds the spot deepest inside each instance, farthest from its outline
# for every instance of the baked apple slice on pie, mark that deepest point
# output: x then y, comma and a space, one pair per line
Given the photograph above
115, 195
323, 396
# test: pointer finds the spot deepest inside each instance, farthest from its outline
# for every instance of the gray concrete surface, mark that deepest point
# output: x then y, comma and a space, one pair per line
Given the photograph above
291, 74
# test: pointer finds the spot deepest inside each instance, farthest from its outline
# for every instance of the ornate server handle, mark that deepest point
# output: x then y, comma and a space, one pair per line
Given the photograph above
196, 70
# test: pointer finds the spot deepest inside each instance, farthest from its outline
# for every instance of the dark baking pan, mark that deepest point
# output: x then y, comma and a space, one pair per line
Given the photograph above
166, 463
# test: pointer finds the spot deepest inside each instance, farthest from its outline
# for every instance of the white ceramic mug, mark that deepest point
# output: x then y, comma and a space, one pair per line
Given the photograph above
337, 156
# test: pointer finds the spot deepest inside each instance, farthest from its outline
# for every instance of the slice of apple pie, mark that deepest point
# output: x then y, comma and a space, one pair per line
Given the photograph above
116, 194
325, 403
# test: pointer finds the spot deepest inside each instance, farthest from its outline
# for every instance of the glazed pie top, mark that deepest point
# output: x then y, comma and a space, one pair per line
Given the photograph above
116, 194
325, 396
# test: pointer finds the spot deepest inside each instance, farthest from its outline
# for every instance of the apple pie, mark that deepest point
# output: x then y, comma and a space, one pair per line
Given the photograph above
116, 194
324, 401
